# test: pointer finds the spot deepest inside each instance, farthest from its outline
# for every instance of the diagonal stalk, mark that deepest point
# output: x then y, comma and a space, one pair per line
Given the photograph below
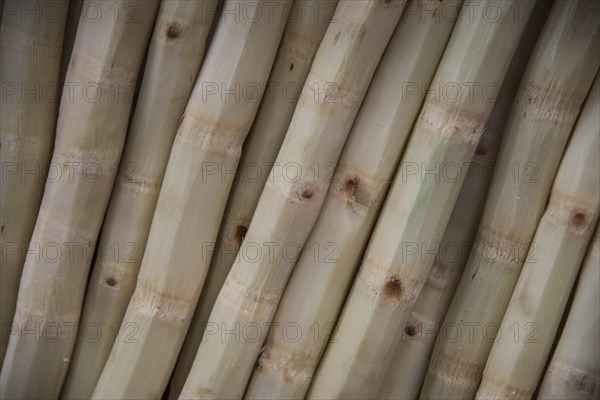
30, 57
573, 370
515, 367
92, 124
407, 372
416, 212
298, 47
175, 54
558, 76
291, 201
322, 277
192, 199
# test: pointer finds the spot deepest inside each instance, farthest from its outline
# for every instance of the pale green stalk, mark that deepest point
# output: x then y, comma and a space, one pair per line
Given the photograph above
298, 47
405, 376
516, 362
175, 55
322, 277
192, 199
556, 81
574, 370
30, 54
92, 124
291, 201
402, 248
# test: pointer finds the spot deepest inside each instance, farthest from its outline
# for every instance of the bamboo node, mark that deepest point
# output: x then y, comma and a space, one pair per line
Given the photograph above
455, 374
578, 379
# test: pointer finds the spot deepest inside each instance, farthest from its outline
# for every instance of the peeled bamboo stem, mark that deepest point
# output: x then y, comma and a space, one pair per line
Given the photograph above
30, 55
574, 371
89, 138
290, 203
192, 199
554, 86
405, 376
175, 54
298, 47
417, 209
320, 281
515, 365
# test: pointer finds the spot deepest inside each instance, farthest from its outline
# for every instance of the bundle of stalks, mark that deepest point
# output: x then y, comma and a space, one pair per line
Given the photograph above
574, 371
290, 202
405, 375
298, 47
320, 281
515, 365
417, 209
174, 58
89, 138
559, 75
192, 200
30, 55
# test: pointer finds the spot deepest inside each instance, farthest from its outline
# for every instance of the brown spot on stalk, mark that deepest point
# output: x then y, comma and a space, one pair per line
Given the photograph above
350, 186
110, 281
240, 233
307, 194
410, 329
291, 66
578, 220
392, 289
173, 30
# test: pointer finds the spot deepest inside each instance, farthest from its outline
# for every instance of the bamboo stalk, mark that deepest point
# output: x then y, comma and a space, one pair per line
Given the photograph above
320, 281
30, 48
555, 83
418, 207
91, 130
298, 47
405, 376
192, 199
574, 370
290, 204
515, 365
174, 59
